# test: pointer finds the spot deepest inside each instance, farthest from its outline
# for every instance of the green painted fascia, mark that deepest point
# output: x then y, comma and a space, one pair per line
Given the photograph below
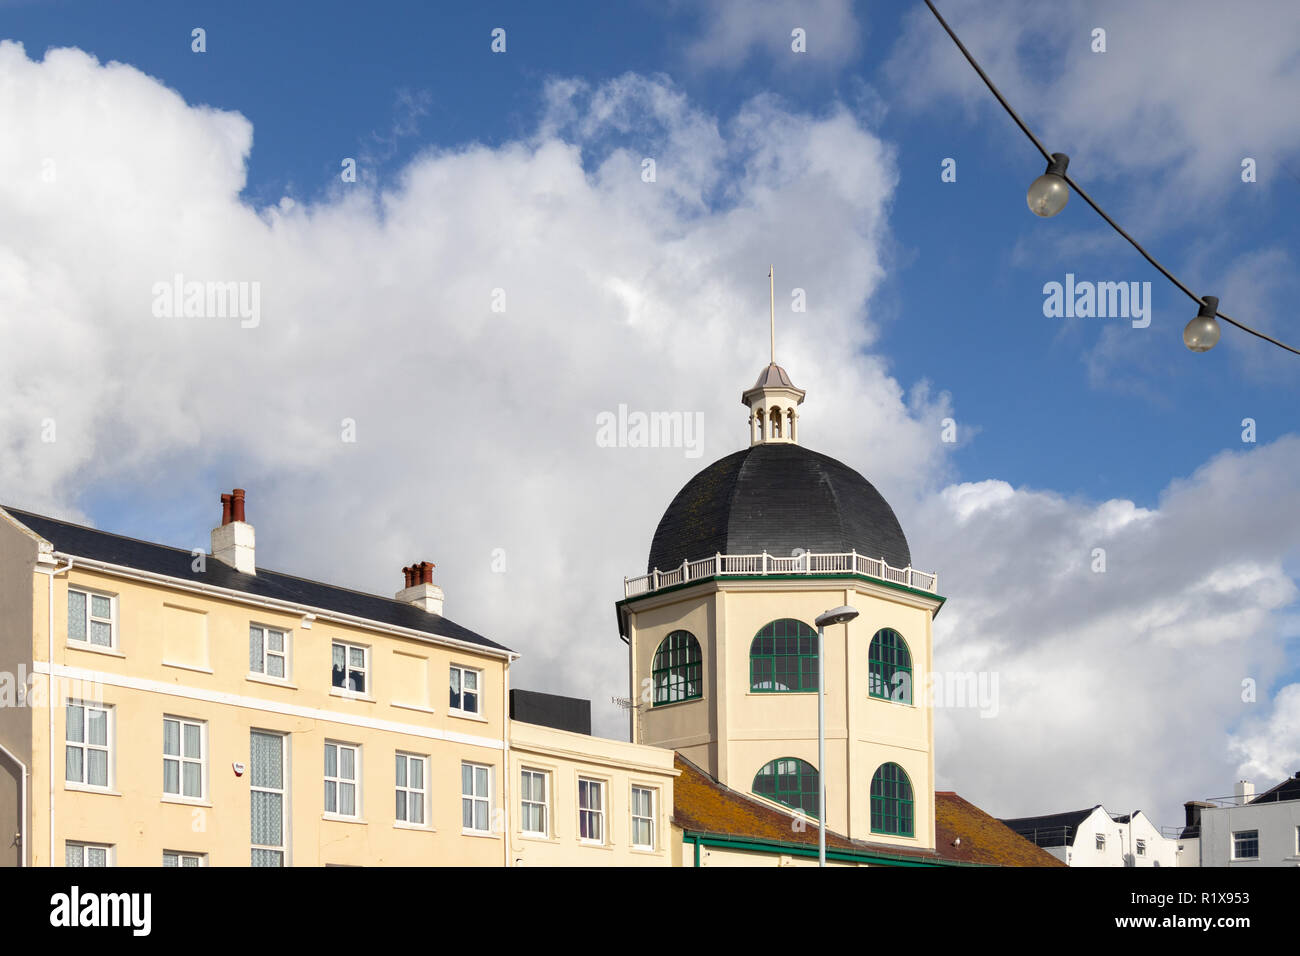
802, 849
790, 577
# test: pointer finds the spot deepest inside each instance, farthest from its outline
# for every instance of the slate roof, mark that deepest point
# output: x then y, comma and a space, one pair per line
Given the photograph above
83, 542
1288, 789
703, 805
1051, 829
776, 498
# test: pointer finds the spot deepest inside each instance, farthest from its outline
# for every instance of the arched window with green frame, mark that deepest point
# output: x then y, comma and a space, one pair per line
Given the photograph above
891, 801
677, 669
790, 781
889, 667
783, 658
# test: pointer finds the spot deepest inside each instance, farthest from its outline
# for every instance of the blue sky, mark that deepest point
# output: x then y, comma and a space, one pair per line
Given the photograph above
933, 310
966, 289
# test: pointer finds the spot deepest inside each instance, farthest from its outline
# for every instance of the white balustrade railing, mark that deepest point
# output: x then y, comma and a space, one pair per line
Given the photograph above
721, 565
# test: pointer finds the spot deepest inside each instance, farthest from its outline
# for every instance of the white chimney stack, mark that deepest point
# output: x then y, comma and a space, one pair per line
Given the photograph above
233, 542
420, 589
1245, 792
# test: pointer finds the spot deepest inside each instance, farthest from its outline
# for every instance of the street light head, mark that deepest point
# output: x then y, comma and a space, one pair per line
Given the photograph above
838, 615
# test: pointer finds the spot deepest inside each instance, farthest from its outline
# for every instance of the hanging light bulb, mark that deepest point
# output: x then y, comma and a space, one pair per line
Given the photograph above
1049, 193
1202, 332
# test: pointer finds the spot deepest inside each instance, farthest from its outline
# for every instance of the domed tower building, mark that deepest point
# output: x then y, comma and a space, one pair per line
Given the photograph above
723, 645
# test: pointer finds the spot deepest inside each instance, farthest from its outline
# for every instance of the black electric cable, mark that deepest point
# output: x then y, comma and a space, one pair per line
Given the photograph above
1086, 198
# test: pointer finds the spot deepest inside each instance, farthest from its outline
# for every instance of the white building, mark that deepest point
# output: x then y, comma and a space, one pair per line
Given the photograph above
1094, 837
1250, 830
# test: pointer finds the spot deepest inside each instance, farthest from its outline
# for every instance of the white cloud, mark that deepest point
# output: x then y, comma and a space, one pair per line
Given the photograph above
736, 30
1117, 687
475, 430
1269, 746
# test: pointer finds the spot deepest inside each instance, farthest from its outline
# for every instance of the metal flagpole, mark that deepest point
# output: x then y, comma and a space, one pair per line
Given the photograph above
771, 282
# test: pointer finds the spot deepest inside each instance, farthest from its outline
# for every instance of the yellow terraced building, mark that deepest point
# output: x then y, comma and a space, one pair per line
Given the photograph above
210, 712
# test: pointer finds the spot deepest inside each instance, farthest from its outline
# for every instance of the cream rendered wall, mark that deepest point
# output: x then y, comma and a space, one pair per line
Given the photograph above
564, 757
134, 679
687, 726
18, 550
755, 727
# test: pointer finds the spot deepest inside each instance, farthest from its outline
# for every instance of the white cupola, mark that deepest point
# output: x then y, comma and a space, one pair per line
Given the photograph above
773, 407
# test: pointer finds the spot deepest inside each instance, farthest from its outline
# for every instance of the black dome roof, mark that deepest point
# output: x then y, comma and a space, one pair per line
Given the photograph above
776, 498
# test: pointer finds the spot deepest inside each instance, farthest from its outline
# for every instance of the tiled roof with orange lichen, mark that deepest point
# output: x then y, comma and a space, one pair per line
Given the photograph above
705, 806
984, 839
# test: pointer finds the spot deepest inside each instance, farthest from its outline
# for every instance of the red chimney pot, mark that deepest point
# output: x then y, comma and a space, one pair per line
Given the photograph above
225, 509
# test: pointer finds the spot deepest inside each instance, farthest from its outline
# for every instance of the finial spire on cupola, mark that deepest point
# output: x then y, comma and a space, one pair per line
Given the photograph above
773, 399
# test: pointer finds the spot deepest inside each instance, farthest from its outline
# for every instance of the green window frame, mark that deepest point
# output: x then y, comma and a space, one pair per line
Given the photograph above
889, 667
783, 658
678, 669
790, 781
891, 801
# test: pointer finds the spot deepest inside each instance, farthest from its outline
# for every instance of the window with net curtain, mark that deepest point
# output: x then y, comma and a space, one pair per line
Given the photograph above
783, 658
183, 757
889, 667
790, 781
90, 618
266, 798
83, 854
677, 669
891, 801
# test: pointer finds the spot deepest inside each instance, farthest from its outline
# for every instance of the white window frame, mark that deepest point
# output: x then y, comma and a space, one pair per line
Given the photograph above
282, 790
200, 859
1100, 842
595, 813
478, 691
1237, 833
180, 759
267, 653
406, 791
475, 798
85, 849
85, 746
544, 804
341, 781
91, 617
1141, 847
652, 819
348, 667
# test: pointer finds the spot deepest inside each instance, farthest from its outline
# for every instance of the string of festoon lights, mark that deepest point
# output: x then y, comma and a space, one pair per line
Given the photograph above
1049, 193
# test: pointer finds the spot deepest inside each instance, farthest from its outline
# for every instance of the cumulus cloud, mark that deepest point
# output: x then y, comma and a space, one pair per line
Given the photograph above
1269, 746
475, 429
1119, 685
